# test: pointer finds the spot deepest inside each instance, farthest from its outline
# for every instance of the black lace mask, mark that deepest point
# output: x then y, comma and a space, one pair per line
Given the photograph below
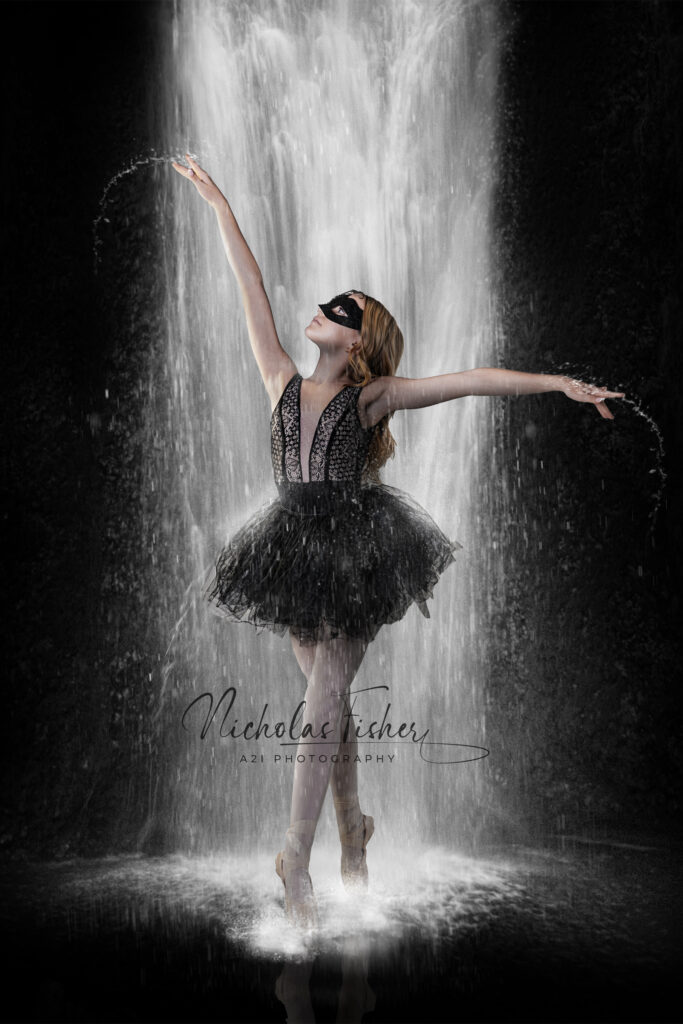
354, 314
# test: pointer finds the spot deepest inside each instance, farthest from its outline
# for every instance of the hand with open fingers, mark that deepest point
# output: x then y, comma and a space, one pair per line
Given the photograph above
582, 392
197, 175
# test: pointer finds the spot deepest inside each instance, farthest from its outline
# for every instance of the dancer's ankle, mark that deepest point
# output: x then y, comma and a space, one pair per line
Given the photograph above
349, 814
298, 843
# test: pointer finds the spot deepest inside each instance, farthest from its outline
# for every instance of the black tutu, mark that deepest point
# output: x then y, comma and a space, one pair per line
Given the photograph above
322, 560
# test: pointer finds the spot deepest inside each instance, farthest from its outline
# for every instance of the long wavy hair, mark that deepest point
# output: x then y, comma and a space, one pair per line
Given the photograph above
379, 353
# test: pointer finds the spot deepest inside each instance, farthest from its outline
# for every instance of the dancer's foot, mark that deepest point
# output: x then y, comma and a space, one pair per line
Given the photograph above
355, 831
291, 864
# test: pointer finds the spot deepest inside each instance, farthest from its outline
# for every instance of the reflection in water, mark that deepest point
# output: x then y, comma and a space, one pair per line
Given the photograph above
355, 997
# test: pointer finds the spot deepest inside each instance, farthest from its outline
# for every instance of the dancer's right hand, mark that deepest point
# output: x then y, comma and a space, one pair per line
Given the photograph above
202, 182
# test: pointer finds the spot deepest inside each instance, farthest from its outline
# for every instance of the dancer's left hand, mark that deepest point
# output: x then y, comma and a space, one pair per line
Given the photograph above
581, 392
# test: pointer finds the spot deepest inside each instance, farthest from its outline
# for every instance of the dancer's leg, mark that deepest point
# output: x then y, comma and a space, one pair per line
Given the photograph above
334, 666
344, 786
305, 655
344, 776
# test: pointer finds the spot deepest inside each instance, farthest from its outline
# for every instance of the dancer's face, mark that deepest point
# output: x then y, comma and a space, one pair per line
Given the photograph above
331, 333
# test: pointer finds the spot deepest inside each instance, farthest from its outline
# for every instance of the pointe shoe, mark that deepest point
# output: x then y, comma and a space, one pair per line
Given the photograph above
291, 864
354, 869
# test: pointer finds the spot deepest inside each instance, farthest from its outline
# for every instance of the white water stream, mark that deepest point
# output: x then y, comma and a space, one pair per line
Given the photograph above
355, 142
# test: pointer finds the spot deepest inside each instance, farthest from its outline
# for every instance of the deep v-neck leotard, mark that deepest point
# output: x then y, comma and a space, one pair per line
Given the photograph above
339, 444
315, 430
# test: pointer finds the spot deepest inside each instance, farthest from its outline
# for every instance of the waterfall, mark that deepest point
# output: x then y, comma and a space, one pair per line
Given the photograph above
356, 144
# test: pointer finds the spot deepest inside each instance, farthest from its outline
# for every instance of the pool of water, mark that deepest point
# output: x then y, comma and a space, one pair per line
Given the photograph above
577, 929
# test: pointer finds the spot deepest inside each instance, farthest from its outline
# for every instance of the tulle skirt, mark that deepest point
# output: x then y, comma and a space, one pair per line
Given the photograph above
325, 560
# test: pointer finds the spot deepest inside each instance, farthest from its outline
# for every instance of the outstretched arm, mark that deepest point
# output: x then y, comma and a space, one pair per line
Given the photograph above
386, 394
275, 364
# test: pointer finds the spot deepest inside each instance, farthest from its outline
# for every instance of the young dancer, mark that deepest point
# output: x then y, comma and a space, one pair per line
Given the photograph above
338, 553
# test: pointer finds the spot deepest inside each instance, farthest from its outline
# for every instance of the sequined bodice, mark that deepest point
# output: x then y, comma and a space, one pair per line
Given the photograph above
340, 443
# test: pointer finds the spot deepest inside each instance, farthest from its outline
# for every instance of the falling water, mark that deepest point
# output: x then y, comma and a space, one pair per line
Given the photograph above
355, 143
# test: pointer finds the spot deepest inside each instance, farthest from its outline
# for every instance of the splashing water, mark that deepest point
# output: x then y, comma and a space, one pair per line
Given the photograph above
135, 164
586, 374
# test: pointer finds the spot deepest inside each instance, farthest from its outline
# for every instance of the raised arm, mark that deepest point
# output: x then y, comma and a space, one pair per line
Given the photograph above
386, 394
275, 364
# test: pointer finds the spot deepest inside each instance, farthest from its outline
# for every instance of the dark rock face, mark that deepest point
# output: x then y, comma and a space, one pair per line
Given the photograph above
77, 344
585, 695
583, 700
